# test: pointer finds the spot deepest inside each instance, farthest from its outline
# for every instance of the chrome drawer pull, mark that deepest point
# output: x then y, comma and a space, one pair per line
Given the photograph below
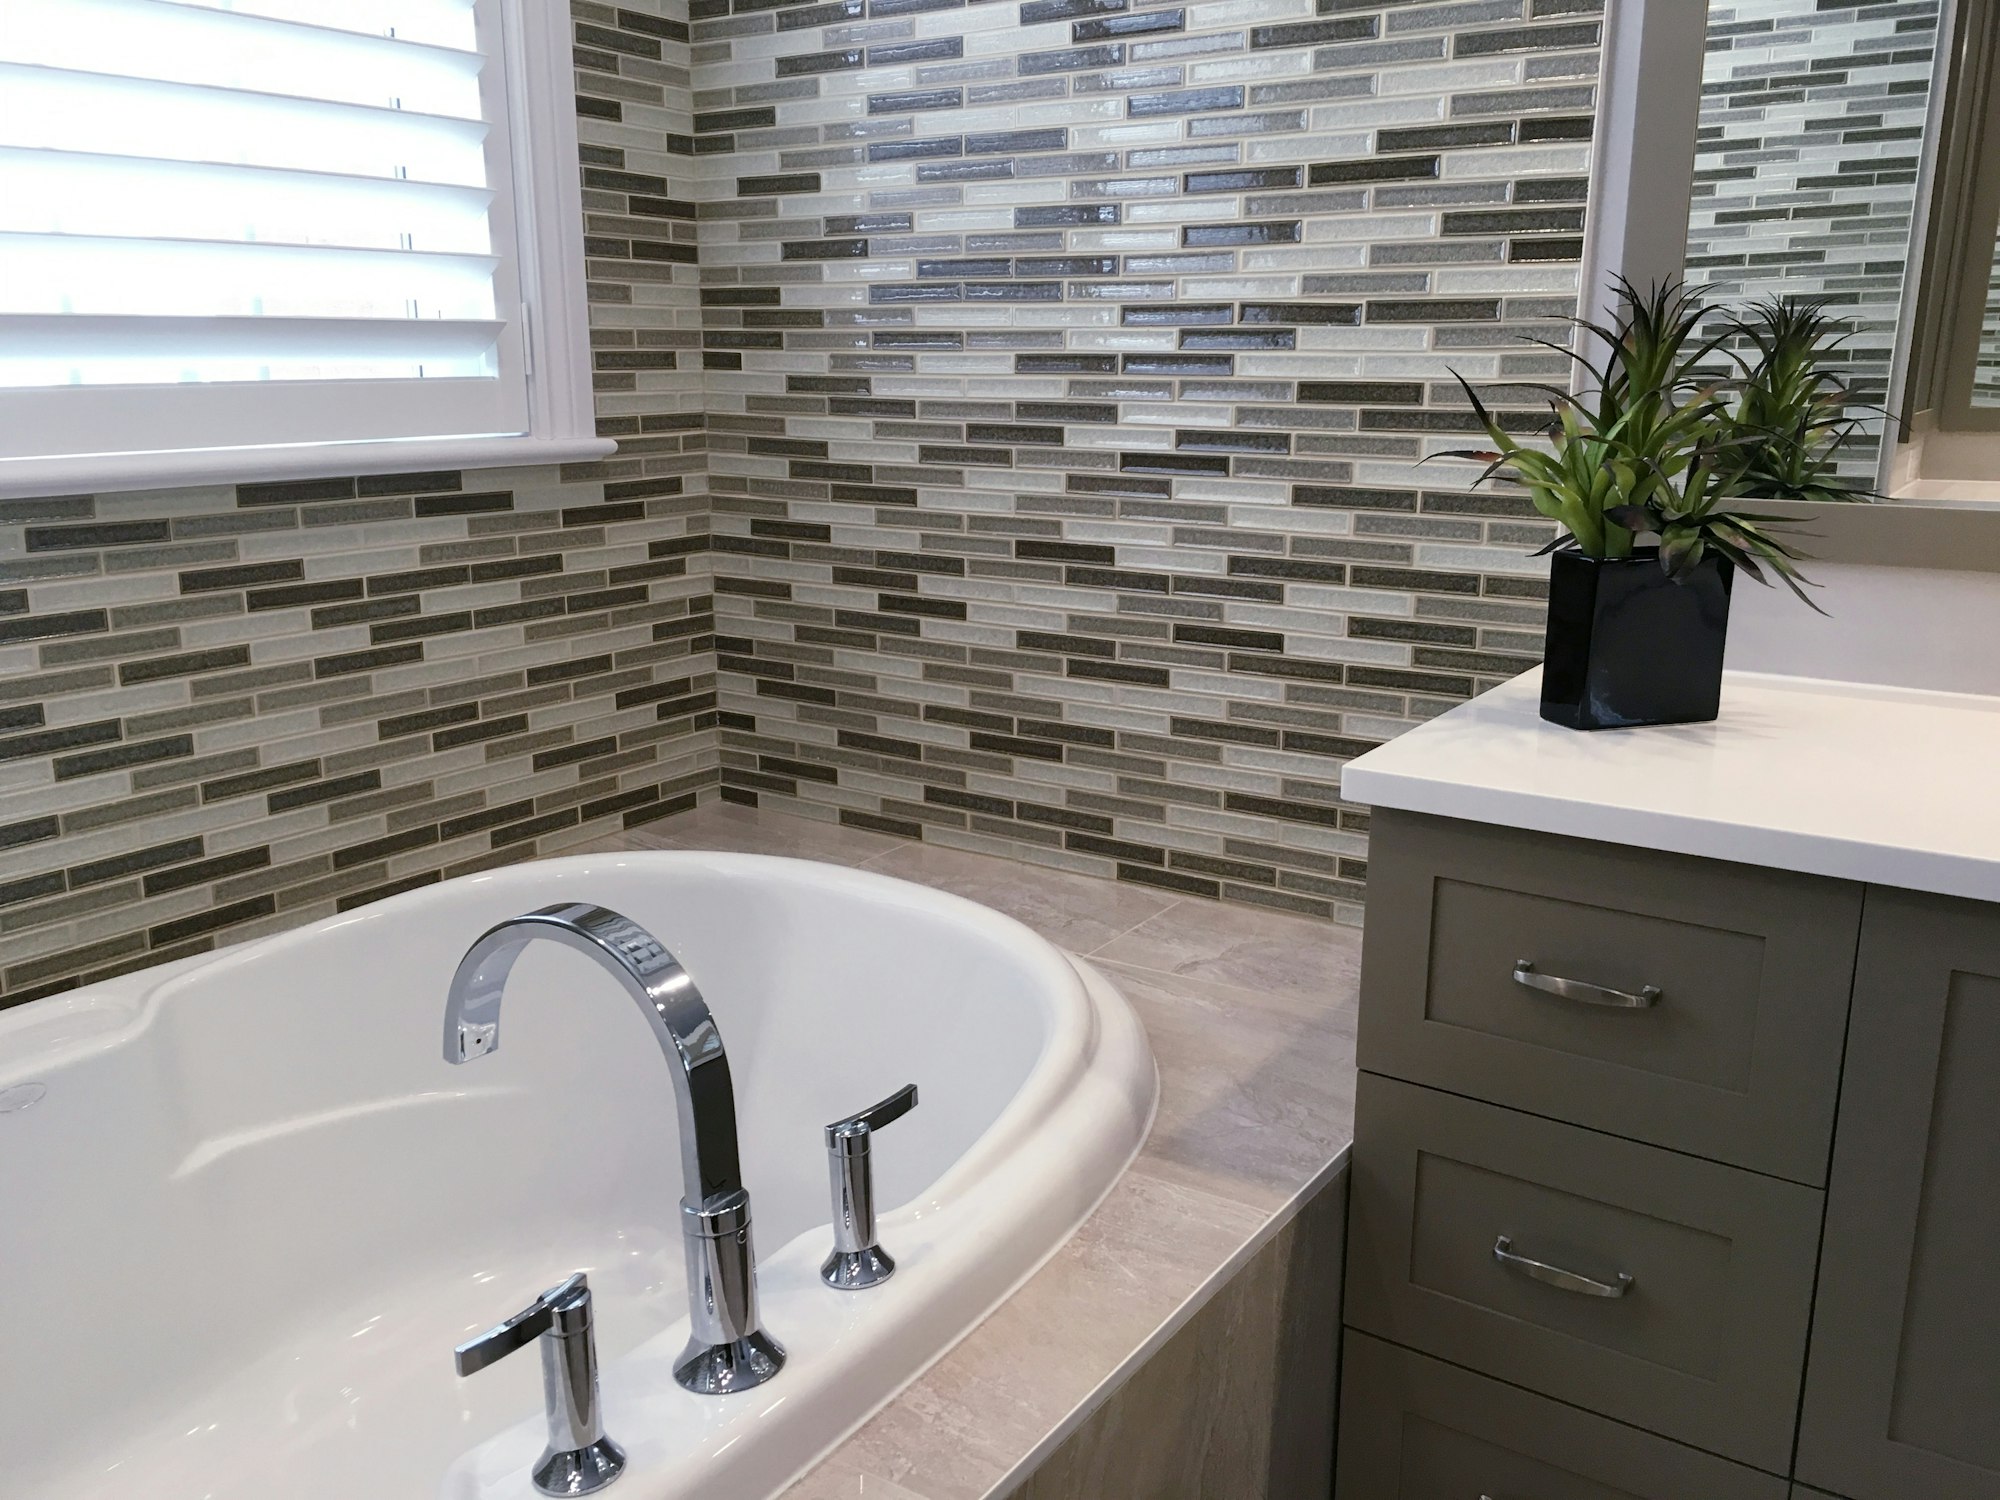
1556, 1276
1587, 994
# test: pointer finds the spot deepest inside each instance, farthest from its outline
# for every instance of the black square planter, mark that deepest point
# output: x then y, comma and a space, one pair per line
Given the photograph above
1627, 645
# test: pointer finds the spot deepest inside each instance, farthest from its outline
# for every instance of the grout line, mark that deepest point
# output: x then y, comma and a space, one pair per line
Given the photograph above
1177, 901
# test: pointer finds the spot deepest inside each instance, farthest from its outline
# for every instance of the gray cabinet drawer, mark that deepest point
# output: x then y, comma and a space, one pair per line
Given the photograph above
1706, 1345
1413, 1428
1738, 1058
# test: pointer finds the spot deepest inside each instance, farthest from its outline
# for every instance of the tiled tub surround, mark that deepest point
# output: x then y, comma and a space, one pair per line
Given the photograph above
223, 718
1812, 126
227, 711
1251, 1019
1068, 363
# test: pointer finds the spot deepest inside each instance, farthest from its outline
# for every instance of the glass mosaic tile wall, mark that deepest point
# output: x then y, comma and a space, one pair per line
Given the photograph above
1021, 405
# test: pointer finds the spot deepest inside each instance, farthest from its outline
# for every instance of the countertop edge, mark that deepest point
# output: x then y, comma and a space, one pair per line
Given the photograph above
1826, 855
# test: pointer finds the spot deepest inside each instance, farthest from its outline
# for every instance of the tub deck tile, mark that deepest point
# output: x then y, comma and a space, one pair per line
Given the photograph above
744, 830
1256, 1091
1251, 1015
1277, 954
1072, 911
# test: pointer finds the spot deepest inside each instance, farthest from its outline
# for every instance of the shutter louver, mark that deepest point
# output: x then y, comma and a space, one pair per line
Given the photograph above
285, 218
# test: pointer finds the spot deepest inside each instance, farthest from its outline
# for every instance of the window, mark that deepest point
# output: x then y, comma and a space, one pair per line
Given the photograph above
260, 238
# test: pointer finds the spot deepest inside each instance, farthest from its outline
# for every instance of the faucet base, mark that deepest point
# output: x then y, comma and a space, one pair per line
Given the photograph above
857, 1270
740, 1365
580, 1471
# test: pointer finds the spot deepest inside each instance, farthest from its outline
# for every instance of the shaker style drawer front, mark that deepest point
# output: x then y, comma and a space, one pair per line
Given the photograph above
1661, 1290
1685, 1002
1413, 1428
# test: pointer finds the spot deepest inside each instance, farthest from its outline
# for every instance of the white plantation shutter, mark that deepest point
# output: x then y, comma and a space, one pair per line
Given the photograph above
248, 223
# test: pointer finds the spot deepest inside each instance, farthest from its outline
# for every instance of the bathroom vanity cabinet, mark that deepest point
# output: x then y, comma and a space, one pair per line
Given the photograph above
1674, 1175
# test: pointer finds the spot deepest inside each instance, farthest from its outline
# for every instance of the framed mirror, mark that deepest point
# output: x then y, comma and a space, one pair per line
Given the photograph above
1832, 153
1948, 398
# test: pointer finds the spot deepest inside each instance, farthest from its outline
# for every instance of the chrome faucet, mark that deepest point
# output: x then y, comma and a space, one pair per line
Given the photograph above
726, 1349
857, 1261
578, 1459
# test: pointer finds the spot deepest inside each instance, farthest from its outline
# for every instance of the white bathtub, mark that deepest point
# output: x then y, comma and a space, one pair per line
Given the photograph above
247, 1210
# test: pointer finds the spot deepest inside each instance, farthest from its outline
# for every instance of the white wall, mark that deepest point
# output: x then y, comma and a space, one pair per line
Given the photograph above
1912, 627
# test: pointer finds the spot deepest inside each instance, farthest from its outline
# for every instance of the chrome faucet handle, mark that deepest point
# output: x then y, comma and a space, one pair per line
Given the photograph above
859, 1127
579, 1458
519, 1331
857, 1261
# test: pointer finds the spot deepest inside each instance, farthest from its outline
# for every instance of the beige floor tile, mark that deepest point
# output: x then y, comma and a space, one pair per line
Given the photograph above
965, 1423
1256, 1090
1072, 911
610, 843
654, 835
1238, 945
837, 1478
744, 830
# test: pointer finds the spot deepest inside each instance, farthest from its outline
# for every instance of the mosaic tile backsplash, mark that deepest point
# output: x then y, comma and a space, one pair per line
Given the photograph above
1069, 363
1020, 404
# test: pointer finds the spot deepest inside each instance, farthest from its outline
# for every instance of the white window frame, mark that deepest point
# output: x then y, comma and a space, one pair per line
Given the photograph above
1642, 158
540, 211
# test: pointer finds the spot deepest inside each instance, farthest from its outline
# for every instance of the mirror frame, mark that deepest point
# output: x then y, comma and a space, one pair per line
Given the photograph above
1958, 220
1641, 195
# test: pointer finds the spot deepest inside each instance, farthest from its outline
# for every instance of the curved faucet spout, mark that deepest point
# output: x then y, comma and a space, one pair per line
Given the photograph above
666, 996
726, 1349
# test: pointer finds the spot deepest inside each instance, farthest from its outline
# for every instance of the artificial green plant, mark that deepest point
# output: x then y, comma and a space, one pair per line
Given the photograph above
1656, 447
1794, 412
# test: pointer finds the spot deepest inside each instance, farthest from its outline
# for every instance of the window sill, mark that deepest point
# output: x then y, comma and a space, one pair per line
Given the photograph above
110, 473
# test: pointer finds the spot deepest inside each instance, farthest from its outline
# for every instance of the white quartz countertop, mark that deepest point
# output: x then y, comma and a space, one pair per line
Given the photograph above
1890, 785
